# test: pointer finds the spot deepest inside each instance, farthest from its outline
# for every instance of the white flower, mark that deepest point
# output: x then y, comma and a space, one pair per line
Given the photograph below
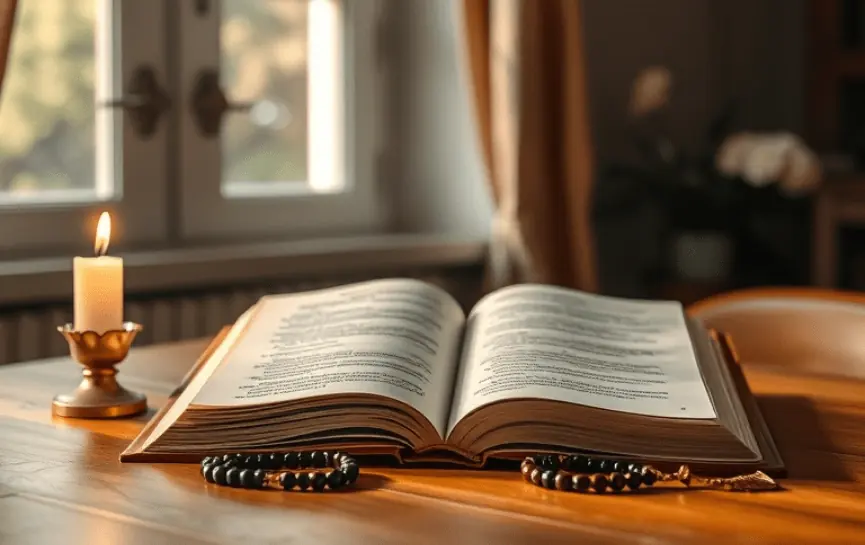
763, 159
803, 172
651, 90
733, 151
767, 159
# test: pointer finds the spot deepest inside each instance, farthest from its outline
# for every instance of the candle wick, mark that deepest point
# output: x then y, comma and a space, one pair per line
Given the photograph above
100, 248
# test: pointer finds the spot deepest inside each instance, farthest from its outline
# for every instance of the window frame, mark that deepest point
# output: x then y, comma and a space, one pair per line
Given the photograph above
136, 37
206, 214
170, 184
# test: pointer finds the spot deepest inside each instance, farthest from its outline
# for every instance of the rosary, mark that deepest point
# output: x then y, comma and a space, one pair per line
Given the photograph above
319, 471
580, 473
315, 471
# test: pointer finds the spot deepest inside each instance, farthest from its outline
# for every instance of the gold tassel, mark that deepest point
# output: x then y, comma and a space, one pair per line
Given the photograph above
752, 482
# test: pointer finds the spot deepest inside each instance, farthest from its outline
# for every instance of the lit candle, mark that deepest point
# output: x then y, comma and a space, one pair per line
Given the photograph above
98, 285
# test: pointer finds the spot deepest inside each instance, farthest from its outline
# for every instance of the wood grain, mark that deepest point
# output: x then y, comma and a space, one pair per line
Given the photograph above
61, 482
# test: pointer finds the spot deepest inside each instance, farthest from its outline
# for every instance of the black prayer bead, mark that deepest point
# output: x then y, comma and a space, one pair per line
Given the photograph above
305, 459
649, 477
351, 471
621, 467
226, 457
318, 480
302, 480
245, 478
617, 482
535, 476
599, 482
335, 479
591, 465
219, 475
206, 460
290, 460
231, 462
274, 461
317, 459
634, 480
287, 481
579, 464
634, 468
548, 462
335, 458
258, 478
581, 483
232, 477
604, 466
249, 461
207, 472
548, 478
234, 460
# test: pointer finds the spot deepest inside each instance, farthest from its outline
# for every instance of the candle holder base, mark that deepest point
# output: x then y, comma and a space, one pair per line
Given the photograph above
99, 395
89, 401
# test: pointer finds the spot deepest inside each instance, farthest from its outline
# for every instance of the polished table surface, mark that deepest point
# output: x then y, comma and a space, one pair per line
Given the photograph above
61, 481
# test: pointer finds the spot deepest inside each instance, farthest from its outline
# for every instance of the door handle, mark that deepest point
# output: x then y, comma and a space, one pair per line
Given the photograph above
209, 103
144, 102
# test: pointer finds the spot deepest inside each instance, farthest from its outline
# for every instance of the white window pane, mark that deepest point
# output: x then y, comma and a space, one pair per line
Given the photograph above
264, 62
48, 151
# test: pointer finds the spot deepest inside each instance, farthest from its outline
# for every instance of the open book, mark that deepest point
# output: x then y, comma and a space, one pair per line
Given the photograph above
395, 366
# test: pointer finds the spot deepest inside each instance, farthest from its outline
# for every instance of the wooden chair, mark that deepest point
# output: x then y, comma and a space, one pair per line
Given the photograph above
809, 329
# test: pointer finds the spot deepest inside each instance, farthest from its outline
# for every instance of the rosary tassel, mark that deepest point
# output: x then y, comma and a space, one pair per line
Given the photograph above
751, 482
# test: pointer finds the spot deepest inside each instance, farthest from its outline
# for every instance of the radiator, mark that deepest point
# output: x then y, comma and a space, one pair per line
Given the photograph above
31, 333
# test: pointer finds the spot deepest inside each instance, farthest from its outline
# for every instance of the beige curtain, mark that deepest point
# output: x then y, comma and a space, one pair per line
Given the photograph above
7, 21
528, 75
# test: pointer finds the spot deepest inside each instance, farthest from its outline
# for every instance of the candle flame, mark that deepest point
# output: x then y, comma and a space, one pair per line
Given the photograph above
103, 234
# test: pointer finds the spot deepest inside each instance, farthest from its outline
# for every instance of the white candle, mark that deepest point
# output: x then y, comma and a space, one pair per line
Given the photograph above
98, 285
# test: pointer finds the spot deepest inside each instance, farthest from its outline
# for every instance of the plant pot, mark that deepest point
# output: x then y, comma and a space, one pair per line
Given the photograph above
702, 255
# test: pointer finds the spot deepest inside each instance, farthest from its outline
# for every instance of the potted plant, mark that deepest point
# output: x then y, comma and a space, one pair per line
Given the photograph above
711, 194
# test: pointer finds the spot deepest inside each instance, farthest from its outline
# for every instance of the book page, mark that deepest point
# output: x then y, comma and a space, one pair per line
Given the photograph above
532, 341
395, 338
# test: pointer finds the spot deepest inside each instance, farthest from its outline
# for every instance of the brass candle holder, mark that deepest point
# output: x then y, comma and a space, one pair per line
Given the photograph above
99, 395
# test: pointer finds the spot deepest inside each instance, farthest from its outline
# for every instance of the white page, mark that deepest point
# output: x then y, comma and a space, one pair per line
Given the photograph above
395, 338
200, 378
532, 341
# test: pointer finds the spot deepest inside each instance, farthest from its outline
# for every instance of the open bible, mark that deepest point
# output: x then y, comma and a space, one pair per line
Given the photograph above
396, 367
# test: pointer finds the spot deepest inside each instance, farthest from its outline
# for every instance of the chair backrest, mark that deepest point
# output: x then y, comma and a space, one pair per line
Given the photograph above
808, 329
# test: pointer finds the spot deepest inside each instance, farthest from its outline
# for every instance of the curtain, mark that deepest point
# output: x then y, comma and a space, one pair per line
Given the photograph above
7, 20
528, 77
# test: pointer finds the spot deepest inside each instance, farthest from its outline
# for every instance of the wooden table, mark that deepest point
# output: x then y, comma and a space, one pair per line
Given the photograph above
61, 482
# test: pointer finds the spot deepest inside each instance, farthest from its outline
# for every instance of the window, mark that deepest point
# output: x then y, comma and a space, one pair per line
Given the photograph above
61, 154
266, 121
